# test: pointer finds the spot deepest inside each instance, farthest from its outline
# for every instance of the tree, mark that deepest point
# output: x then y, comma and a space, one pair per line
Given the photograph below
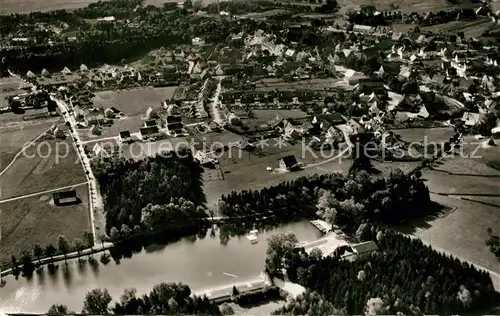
50, 250
102, 239
58, 309
14, 262
225, 309
89, 239
374, 306
37, 251
27, 261
78, 246
278, 246
96, 302
235, 291
63, 245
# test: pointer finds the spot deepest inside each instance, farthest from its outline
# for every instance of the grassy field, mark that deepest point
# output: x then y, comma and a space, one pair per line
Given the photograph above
419, 6
470, 28
135, 101
13, 138
35, 219
462, 230
45, 166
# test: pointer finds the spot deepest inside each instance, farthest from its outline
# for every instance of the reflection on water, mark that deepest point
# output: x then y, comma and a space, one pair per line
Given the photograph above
201, 262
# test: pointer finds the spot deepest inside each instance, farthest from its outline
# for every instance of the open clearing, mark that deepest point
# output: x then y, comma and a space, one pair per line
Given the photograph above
420, 6
45, 166
464, 229
12, 139
135, 101
37, 220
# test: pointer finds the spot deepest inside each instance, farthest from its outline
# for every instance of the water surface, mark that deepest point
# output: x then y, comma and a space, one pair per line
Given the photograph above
202, 264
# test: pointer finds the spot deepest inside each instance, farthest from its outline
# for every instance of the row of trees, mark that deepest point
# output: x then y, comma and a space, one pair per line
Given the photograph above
27, 265
150, 193
344, 201
404, 276
163, 299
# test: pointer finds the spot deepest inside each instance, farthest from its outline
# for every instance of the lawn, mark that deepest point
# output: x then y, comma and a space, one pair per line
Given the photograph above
128, 123
244, 170
45, 166
135, 101
27, 221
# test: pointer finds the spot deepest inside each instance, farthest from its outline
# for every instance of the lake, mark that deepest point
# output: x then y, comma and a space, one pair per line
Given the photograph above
202, 264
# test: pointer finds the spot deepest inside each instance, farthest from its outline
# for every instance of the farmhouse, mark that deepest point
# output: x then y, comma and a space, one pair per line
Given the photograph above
65, 197
360, 250
470, 119
288, 163
99, 151
149, 132
353, 77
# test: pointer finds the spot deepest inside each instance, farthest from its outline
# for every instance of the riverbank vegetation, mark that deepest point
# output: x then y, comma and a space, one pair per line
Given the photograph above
403, 276
164, 298
346, 201
143, 196
31, 259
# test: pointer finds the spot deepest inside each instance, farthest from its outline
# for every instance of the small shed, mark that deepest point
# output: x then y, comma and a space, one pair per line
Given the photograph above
288, 163
65, 197
45, 73
83, 68
30, 74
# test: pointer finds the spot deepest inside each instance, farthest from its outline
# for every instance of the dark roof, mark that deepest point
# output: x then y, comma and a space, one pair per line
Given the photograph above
289, 161
334, 118
124, 134
365, 247
68, 196
151, 123
174, 119
174, 126
149, 130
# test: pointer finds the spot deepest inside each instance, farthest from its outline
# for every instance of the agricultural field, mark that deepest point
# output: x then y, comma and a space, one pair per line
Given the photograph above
36, 219
272, 84
46, 165
463, 230
419, 6
474, 28
12, 138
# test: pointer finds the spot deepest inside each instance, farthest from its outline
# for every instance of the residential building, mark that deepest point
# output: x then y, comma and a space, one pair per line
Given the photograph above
150, 132
125, 137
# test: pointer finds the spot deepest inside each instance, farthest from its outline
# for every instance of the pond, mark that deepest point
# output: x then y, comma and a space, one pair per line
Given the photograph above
202, 264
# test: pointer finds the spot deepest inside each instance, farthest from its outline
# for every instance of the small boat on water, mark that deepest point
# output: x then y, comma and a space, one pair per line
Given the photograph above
252, 236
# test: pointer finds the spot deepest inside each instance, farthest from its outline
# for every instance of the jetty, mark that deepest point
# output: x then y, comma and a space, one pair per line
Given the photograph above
323, 226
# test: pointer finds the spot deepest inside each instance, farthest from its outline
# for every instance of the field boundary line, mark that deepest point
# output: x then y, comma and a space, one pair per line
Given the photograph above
42, 192
22, 151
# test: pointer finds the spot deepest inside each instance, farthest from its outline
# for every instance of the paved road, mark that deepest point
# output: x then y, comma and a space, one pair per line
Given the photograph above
42, 192
215, 104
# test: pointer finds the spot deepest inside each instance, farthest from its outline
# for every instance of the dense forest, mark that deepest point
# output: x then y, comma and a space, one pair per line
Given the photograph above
164, 299
151, 193
344, 201
404, 276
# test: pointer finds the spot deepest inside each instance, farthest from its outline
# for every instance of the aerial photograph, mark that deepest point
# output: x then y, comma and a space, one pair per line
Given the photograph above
250, 157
